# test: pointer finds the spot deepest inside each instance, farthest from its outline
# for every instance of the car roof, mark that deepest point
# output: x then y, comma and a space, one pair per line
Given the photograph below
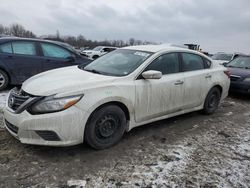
157, 48
9, 39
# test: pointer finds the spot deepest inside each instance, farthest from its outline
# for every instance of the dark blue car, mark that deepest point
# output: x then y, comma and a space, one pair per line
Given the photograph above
240, 74
22, 58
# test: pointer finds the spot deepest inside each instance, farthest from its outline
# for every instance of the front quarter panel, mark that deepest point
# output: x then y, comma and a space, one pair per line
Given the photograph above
123, 92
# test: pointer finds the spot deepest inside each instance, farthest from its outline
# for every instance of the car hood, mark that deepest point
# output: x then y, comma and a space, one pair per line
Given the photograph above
64, 80
240, 72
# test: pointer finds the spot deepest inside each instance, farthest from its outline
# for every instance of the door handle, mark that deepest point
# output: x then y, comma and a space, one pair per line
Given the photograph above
208, 76
179, 82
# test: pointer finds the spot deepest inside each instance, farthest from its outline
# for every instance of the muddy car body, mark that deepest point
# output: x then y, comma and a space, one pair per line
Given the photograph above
115, 93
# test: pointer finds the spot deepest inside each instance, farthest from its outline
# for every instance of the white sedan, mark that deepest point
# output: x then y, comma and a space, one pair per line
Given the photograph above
124, 89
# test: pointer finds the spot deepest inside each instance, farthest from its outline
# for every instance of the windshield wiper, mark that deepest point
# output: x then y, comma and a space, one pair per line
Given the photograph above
93, 71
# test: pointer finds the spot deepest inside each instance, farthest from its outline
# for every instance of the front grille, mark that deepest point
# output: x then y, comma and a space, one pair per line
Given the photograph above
11, 127
48, 135
16, 99
235, 78
19, 100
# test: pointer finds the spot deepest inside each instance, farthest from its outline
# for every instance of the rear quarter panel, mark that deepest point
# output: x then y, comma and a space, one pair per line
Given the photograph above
221, 79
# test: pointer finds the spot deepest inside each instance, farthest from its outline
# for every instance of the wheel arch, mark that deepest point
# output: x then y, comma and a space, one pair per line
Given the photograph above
7, 73
219, 87
118, 103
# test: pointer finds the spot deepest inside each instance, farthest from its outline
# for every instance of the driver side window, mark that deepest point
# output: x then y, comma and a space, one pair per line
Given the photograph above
50, 50
167, 64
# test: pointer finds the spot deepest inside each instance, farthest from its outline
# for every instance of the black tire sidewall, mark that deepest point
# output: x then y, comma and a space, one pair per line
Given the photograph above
95, 57
6, 80
207, 109
90, 130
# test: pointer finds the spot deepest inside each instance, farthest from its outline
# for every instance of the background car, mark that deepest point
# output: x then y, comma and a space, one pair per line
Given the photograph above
22, 58
240, 74
223, 58
98, 51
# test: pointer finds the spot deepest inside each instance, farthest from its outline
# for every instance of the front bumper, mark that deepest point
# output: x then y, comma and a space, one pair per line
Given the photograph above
240, 86
67, 125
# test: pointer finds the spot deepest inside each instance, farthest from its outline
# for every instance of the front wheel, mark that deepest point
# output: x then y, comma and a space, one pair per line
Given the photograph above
105, 127
212, 101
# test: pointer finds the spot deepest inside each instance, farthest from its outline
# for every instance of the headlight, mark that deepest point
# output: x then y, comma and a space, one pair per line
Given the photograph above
89, 52
51, 104
247, 80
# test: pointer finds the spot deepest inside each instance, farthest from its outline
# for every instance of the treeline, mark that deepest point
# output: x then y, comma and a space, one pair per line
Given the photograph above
76, 41
16, 30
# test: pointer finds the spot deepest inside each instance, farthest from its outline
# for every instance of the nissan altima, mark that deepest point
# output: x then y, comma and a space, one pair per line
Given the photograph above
124, 89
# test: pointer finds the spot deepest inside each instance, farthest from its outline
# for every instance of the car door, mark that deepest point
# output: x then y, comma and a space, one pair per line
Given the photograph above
55, 56
156, 98
22, 60
197, 79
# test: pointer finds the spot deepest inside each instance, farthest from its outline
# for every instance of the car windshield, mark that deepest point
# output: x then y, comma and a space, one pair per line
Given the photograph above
224, 57
98, 48
240, 62
118, 63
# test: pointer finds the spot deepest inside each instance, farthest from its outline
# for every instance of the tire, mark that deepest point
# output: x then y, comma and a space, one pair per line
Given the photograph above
4, 80
212, 101
95, 57
105, 127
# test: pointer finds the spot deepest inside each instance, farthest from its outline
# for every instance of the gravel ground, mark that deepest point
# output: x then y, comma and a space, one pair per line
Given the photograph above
191, 150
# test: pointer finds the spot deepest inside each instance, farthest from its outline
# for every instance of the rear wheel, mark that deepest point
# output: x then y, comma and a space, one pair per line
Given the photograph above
212, 101
105, 127
95, 57
4, 80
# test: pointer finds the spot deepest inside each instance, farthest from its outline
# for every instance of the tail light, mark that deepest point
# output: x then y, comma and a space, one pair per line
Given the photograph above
228, 73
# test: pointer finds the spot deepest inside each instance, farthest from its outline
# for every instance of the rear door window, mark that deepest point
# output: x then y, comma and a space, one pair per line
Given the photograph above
50, 50
6, 48
24, 48
192, 62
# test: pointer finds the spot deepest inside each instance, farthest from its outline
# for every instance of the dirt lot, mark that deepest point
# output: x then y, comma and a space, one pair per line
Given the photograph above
192, 150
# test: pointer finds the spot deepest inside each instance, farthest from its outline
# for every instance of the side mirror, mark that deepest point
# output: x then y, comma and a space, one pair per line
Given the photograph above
71, 59
151, 74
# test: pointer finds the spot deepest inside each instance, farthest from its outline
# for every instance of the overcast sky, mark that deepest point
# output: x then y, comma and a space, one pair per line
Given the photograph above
218, 25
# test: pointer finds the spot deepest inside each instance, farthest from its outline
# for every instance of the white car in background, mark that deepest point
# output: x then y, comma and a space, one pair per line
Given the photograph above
98, 51
222, 58
124, 89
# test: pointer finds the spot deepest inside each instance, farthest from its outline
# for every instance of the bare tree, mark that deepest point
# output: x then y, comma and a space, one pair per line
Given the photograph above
1, 29
57, 34
131, 41
19, 31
